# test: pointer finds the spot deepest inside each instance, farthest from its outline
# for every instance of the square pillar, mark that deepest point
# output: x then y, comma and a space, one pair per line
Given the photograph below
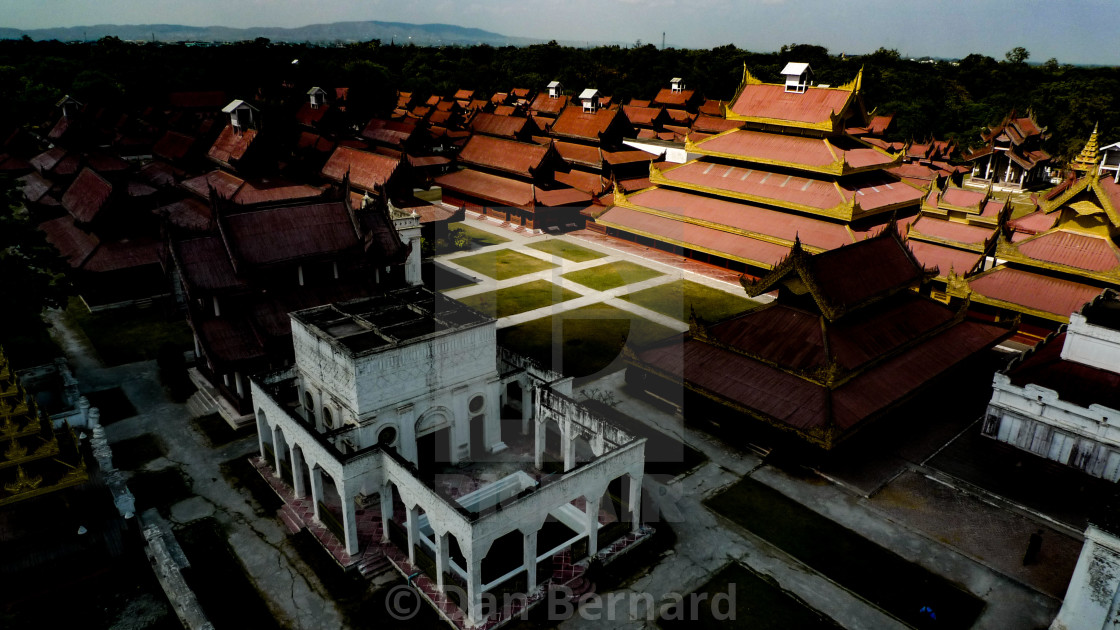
316, 488
413, 532
529, 554
591, 514
386, 495
349, 520
442, 559
474, 589
262, 428
568, 445
538, 445
526, 408
297, 471
276, 451
636, 502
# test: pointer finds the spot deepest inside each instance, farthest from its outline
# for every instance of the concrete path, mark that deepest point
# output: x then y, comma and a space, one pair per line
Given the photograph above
705, 542
289, 587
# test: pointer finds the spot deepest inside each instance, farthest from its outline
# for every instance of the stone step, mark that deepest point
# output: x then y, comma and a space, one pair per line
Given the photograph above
200, 404
290, 519
374, 567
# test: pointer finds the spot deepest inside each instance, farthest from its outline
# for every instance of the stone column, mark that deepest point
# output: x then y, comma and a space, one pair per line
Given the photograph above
276, 434
297, 471
386, 510
442, 559
568, 445
349, 519
591, 515
526, 408
413, 528
474, 587
316, 488
529, 553
636, 501
538, 445
262, 428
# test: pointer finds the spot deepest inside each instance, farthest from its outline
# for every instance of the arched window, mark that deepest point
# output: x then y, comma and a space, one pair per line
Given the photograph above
309, 406
387, 436
476, 404
328, 419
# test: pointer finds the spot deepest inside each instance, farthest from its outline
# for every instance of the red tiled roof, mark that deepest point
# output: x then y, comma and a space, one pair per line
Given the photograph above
231, 145
712, 107
724, 243
85, 198
1033, 223
290, 232
642, 116
520, 158
666, 96
308, 115
746, 217
125, 254
34, 186
189, 213
1111, 190
580, 153
759, 145
501, 126
545, 104
205, 265
766, 100
228, 340
273, 190
105, 162
368, 171
314, 142
878, 125
680, 116
46, 161
505, 110
173, 146
573, 122
72, 242
1072, 249
588, 182
953, 231
390, 132
494, 188
222, 182
1035, 291
946, 259
714, 124
160, 173
561, 197
626, 156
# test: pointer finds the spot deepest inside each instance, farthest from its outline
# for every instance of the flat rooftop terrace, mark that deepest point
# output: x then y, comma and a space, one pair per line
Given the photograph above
397, 318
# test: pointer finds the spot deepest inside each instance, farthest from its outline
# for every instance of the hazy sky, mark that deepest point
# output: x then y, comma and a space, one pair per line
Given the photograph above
1073, 31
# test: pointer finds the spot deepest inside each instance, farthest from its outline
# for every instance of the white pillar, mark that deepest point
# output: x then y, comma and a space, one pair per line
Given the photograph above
237, 384
276, 449
262, 427
349, 520
386, 510
591, 520
217, 311
529, 553
526, 408
297, 471
299, 273
636, 501
1007, 175
316, 488
442, 557
988, 169
568, 445
413, 532
474, 587
538, 444
334, 268
197, 348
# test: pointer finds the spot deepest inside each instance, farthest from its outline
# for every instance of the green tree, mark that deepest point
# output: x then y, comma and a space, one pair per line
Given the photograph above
1017, 55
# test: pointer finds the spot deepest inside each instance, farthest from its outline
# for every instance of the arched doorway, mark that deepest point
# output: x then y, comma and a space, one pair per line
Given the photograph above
433, 441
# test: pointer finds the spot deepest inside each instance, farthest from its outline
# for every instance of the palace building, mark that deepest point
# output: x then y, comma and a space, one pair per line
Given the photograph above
787, 169
385, 439
1012, 154
847, 340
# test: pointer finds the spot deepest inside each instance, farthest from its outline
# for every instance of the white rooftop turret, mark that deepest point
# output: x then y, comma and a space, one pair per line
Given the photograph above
555, 90
797, 76
590, 99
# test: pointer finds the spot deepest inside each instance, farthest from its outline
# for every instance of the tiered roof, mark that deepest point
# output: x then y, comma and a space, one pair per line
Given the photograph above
845, 341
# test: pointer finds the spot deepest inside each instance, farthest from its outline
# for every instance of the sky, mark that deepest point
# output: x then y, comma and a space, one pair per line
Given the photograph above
1071, 31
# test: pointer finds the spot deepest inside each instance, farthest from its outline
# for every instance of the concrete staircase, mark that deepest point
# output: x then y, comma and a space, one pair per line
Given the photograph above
201, 403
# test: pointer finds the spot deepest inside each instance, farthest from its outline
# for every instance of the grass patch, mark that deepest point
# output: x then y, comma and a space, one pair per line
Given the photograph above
518, 299
112, 403
133, 453
503, 264
130, 334
218, 432
899, 587
441, 278
481, 238
759, 601
567, 250
612, 275
224, 590
159, 489
591, 338
241, 474
677, 299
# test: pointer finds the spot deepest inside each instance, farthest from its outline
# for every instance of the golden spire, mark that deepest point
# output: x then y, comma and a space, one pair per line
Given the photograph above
1087, 160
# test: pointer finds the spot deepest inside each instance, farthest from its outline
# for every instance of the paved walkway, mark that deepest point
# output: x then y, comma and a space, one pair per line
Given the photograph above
706, 542
587, 296
290, 588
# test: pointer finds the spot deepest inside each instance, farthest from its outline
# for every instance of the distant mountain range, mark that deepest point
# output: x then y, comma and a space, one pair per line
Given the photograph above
401, 33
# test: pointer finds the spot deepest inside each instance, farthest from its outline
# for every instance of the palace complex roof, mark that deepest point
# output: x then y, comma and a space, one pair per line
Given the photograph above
367, 171
518, 158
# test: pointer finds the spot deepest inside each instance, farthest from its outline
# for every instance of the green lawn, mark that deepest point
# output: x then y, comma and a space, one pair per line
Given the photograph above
591, 338
677, 298
503, 264
830, 549
564, 249
612, 275
757, 602
518, 299
130, 334
481, 238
